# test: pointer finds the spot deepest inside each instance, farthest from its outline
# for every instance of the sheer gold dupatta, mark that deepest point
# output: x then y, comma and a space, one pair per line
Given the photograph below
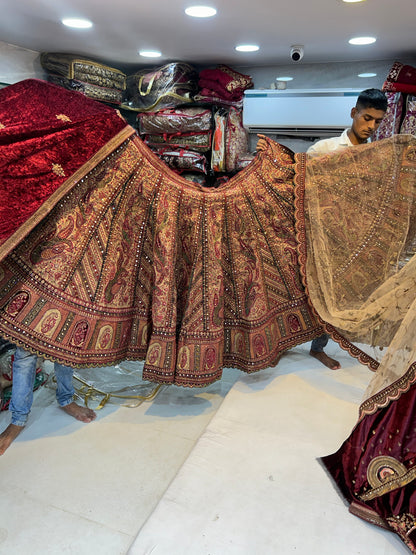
360, 233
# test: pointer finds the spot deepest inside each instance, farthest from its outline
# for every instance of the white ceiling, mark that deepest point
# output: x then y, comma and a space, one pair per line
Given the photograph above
122, 27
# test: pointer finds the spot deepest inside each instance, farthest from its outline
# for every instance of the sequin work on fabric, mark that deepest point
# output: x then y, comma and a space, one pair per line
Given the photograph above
138, 263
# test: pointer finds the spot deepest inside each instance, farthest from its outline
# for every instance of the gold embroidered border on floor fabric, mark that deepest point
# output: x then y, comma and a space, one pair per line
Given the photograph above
386, 474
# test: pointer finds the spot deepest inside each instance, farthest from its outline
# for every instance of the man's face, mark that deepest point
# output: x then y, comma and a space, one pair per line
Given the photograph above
365, 122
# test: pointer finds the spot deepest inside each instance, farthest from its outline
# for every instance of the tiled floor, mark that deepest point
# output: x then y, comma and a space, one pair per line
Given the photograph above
226, 470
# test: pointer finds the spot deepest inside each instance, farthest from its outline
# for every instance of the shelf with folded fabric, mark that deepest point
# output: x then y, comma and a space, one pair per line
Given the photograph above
90, 77
191, 120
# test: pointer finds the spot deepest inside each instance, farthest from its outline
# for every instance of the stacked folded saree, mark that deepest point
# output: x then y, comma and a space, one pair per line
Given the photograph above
114, 256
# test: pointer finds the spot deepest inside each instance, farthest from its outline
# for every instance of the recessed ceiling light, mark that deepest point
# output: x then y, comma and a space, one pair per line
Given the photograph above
362, 40
77, 23
284, 78
150, 53
351, 1
200, 11
247, 48
367, 75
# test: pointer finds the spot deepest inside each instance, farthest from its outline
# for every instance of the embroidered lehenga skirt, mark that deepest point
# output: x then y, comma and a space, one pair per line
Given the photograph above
135, 262
106, 254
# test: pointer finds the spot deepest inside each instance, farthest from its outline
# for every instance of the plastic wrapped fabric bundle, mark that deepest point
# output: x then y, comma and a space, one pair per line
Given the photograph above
195, 177
409, 120
102, 94
236, 139
179, 120
164, 87
390, 124
206, 96
198, 142
218, 141
244, 160
182, 160
121, 384
83, 70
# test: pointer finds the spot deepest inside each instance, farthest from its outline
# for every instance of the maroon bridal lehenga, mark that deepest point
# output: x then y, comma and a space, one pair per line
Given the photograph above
106, 254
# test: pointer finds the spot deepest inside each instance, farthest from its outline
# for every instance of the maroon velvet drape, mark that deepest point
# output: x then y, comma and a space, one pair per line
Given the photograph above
47, 133
375, 468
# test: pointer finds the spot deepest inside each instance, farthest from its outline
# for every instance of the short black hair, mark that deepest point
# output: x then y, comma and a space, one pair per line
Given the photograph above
372, 98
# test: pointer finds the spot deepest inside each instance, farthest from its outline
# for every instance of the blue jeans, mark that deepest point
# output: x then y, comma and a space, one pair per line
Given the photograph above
24, 373
319, 343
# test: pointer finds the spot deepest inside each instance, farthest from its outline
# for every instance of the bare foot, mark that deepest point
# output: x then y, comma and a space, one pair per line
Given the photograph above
8, 436
326, 360
84, 414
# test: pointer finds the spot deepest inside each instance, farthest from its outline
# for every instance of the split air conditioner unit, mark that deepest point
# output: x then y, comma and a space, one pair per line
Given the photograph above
299, 112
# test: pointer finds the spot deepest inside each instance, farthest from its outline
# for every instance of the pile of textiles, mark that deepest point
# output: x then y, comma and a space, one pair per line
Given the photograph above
223, 86
124, 259
393, 117
93, 79
181, 137
400, 91
409, 120
401, 78
150, 90
192, 139
230, 140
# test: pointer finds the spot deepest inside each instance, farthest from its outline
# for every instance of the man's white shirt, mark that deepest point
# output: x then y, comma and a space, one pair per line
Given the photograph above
330, 145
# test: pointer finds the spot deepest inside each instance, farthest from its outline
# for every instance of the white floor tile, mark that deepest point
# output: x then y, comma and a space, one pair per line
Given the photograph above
31, 526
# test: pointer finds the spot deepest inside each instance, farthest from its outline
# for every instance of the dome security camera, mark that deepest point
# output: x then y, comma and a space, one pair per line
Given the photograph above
296, 52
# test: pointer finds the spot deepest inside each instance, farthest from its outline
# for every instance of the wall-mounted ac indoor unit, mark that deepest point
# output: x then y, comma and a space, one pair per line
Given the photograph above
298, 112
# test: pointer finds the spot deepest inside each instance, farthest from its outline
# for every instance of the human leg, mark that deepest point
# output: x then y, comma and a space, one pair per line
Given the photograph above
24, 373
65, 393
317, 351
64, 385
319, 343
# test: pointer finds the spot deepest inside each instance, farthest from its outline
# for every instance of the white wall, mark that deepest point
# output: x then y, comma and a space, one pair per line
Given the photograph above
18, 63
319, 76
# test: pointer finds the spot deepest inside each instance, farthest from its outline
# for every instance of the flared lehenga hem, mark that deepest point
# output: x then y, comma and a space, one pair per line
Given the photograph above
135, 262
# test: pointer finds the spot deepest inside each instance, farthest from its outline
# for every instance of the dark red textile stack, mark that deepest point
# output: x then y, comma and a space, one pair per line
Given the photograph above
224, 82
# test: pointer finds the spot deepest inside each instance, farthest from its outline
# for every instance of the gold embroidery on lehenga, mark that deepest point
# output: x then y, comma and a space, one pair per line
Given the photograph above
63, 117
58, 170
2, 126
